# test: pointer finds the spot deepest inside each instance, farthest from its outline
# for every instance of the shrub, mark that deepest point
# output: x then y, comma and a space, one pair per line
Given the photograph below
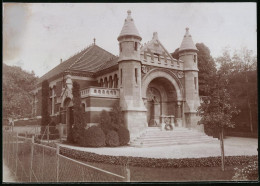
112, 139
78, 112
94, 137
105, 121
124, 136
250, 172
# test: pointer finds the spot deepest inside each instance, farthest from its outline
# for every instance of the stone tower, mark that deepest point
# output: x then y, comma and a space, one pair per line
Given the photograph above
188, 54
130, 78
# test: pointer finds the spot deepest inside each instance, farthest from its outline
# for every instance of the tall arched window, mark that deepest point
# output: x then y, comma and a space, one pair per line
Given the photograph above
106, 82
110, 82
101, 82
115, 81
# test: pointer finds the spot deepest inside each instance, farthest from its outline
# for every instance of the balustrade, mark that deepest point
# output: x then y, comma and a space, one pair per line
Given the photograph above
100, 92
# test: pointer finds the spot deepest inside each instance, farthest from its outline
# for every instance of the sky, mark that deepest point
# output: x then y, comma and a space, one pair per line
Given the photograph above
37, 35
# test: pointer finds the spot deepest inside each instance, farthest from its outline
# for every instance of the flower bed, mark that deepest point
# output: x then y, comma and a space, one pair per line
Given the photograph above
155, 162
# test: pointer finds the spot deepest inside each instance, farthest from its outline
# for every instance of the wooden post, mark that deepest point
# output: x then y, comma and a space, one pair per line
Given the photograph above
42, 163
222, 150
31, 167
48, 133
58, 162
8, 147
128, 174
16, 160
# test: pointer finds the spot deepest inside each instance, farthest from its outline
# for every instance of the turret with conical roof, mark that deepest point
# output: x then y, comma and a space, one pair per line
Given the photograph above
188, 54
129, 28
129, 40
129, 70
187, 42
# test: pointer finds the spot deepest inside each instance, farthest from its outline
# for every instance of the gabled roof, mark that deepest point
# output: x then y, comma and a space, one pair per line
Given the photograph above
155, 46
187, 42
88, 60
129, 28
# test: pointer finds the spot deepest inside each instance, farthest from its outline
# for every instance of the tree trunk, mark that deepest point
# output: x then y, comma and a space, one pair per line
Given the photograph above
249, 106
221, 138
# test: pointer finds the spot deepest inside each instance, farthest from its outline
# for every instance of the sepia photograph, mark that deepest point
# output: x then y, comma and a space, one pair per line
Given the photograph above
129, 92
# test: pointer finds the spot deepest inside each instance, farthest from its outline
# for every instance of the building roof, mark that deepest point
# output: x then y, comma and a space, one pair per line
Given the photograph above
88, 60
187, 42
129, 28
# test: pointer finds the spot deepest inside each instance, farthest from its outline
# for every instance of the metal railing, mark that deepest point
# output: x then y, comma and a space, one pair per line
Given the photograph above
33, 162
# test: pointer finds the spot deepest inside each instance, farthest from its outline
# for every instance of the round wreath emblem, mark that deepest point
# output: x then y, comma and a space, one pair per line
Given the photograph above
168, 127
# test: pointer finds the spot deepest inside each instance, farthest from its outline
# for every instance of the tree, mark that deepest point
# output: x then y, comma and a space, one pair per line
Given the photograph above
207, 68
45, 120
79, 120
242, 79
217, 110
17, 85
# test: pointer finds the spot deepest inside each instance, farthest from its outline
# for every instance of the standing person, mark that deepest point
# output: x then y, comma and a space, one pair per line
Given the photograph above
11, 123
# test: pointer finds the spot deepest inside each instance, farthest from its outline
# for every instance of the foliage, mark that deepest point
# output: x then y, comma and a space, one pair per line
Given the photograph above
249, 172
112, 139
124, 135
79, 119
94, 137
175, 54
17, 85
207, 68
112, 120
105, 121
45, 120
155, 162
217, 109
240, 71
117, 116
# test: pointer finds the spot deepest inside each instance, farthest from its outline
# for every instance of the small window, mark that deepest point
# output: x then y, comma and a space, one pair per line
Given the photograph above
136, 75
195, 82
121, 75
120, 46
136, 46
194, 58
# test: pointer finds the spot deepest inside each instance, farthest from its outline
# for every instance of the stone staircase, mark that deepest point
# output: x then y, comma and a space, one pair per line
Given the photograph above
154, 137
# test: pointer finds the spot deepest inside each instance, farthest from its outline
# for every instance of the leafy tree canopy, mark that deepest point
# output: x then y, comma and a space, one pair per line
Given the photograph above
17, 85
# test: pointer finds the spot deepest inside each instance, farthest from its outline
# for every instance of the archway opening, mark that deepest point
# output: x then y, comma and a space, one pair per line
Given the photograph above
161, 101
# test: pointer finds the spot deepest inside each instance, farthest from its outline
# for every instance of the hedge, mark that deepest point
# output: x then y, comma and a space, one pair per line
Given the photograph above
156, 162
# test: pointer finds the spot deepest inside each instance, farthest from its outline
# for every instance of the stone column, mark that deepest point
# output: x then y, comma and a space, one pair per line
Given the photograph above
178, 117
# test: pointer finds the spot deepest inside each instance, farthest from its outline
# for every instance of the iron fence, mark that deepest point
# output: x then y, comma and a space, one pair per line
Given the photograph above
33, 162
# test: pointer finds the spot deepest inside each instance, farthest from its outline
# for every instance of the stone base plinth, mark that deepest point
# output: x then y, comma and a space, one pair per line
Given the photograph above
178, 122
192, 121
136, 123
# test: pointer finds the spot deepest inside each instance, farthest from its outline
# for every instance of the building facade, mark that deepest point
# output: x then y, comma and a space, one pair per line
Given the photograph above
151, 86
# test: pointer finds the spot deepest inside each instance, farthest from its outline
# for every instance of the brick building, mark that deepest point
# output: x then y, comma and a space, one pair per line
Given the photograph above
152, 87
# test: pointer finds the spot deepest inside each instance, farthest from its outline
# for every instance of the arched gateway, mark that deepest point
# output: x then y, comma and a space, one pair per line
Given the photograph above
162, 93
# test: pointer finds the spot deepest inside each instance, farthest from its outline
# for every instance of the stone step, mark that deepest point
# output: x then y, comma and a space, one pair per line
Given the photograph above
154, 136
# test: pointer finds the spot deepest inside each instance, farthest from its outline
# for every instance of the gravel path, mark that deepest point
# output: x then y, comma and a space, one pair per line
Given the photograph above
7, 175
234, 146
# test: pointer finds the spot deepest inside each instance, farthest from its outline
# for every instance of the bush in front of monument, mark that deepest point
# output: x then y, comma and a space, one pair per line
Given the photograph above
124, 136
94, 137
112, 139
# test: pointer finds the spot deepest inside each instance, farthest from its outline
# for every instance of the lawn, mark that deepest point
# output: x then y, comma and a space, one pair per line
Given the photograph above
143, 174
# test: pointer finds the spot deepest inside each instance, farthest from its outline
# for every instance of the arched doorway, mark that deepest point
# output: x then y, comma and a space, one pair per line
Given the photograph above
153, 106
163, 95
